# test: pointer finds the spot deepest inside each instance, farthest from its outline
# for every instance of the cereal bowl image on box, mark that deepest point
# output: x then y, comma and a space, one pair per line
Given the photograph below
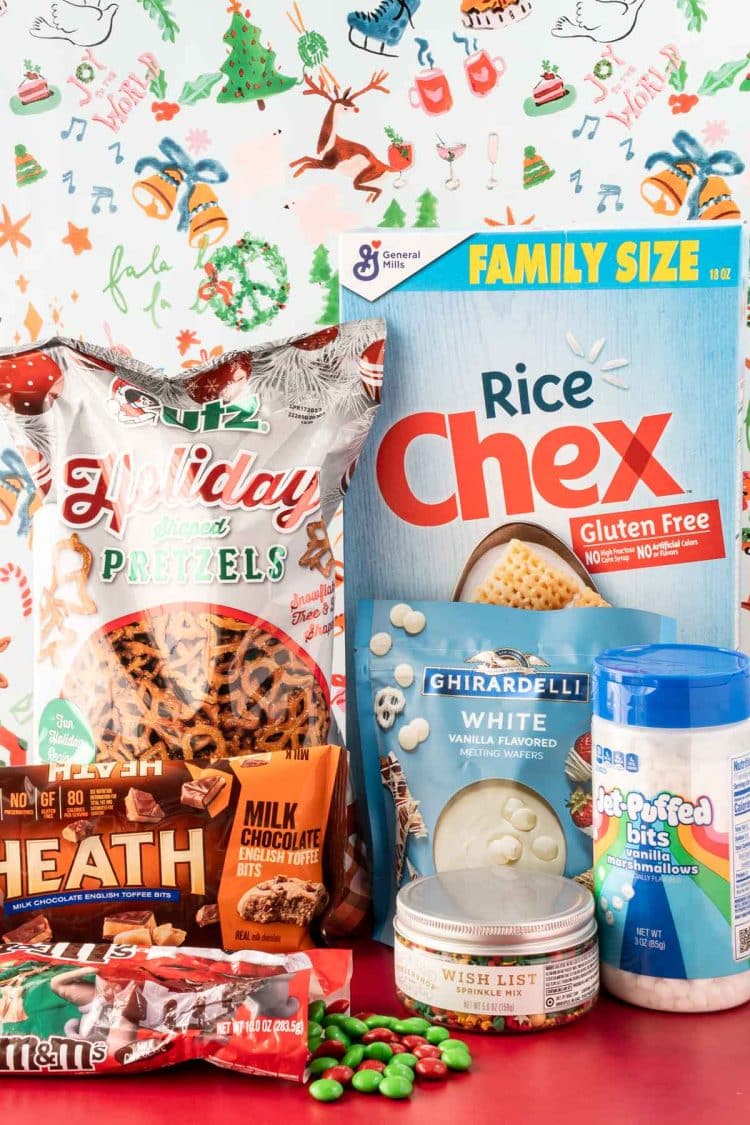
474, 726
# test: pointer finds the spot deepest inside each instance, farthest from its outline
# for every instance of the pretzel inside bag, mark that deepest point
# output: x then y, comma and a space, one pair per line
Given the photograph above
184, 682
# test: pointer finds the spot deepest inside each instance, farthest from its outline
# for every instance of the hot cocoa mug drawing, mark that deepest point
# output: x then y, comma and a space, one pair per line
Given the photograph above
431, 92
483, 72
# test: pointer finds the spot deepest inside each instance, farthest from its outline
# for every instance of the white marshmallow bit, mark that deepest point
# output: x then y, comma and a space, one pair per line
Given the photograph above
407, 738
421, 728
504, 849
524, 820
414, 621
380, 643
511, 805
398, 613
403, 674
628, 892
617, 902
545, 848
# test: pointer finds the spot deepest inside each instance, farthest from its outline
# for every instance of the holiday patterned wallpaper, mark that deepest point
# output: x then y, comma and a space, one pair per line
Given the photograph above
173, 174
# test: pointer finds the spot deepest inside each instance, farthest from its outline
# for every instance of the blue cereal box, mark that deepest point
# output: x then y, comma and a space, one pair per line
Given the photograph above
559, 420
474, 727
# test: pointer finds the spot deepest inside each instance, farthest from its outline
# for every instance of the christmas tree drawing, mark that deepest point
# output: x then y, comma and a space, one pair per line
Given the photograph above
321, 273
394, 216
250, 67
427, 210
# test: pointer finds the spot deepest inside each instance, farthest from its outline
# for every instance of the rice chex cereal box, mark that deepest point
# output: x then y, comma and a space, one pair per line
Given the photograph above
559, 423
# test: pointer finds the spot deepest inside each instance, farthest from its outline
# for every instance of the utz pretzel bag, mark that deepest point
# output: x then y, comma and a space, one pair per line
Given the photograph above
247, 853
98, 1009
183, 571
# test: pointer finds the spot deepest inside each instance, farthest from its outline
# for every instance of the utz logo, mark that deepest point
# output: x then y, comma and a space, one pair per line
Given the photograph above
506, 673
134, 407
367, 266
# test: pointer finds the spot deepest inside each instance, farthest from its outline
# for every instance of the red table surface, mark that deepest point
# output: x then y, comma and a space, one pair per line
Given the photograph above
617, 1065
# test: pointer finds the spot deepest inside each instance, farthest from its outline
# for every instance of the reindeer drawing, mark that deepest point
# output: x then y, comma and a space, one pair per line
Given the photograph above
335, 152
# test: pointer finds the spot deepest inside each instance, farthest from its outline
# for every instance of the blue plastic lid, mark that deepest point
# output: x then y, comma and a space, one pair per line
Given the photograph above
672, 686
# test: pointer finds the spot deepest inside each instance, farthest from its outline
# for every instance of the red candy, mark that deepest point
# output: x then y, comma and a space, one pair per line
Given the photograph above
427, 1051
372, 1064
337, 1007
431, 1069
342, 1074
396, 1047
412, 1041
377, 1035
330, 1049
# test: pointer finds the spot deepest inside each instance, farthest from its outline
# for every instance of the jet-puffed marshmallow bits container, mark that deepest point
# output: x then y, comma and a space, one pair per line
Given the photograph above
671, 735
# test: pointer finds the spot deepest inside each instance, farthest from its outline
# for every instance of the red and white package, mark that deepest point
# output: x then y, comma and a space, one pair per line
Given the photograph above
183, 572
109, 1009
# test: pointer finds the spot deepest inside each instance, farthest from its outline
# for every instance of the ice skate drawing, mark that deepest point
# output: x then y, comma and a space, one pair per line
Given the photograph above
382, 28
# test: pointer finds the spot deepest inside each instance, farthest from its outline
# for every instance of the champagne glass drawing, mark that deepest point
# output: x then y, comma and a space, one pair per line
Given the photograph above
400, 156
451, 154
493, 151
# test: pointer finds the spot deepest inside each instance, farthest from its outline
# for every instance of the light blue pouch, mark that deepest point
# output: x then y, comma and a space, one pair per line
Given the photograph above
474, 735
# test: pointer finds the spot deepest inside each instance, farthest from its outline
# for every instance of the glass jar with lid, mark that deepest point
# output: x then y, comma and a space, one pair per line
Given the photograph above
491, 949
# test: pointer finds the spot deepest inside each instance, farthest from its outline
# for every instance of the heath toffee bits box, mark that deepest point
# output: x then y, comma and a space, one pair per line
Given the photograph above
563, 401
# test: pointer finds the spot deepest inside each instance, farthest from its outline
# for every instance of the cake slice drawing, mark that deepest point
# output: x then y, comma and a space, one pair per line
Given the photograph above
485, 15
551, 92
550, 86
34, 87
34, 93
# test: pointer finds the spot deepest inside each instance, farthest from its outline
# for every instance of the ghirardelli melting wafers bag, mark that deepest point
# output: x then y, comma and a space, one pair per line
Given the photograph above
184, 577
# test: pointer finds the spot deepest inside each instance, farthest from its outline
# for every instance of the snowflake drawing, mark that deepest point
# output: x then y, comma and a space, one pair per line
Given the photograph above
197, 141
608, 369
715, 133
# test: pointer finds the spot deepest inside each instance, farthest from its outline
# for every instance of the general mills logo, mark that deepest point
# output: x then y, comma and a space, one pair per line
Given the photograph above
367, 267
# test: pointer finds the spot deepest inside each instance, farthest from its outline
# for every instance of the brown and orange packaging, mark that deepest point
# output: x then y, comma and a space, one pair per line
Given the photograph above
247, 853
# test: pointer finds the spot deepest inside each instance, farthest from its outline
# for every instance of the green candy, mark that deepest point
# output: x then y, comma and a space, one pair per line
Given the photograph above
338, 1034
437, 1035
317, 1066
354, 1028
380, 1021
406, 1059
316, 1012
398, 1070
366, 1081
449, 1044
326, 1090
354, 1056
457, 1060
415, 1025
394, 1086
336, 1020
380, 1051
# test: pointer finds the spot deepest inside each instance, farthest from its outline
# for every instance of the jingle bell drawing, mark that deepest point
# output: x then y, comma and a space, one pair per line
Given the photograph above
179, 182
692, 177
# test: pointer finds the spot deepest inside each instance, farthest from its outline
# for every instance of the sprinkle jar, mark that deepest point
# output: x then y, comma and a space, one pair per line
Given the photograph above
496, 950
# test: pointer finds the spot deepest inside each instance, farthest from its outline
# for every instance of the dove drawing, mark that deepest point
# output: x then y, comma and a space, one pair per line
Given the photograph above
84, 25
604, 21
